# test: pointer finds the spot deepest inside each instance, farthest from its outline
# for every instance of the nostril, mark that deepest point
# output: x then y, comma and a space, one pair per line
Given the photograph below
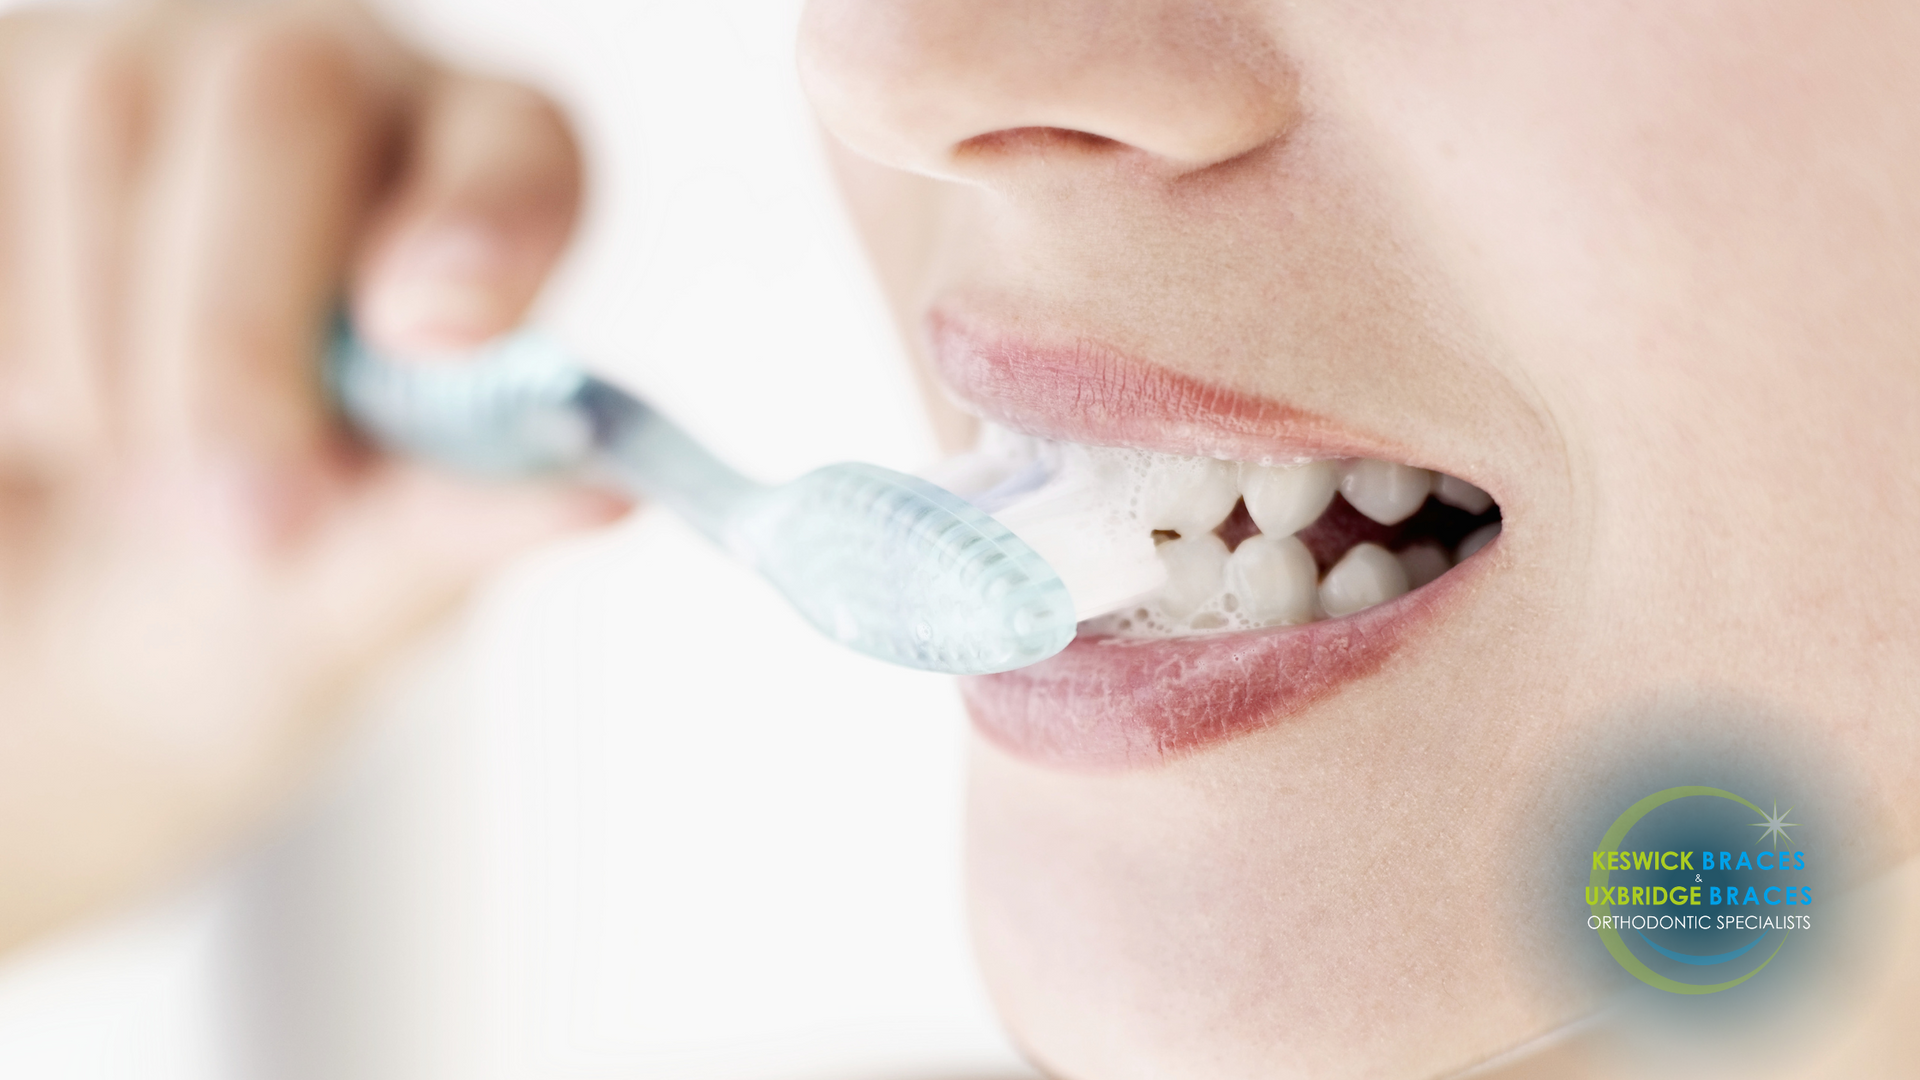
1035, 141
925, 85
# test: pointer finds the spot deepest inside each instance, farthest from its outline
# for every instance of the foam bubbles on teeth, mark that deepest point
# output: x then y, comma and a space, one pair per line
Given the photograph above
1366, 575
1105, 519
1091, 511
1188, 495
1195, 568
1082, 517
1385, 491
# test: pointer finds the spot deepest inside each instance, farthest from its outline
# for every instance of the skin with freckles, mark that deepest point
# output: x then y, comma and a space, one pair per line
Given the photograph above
1643, 273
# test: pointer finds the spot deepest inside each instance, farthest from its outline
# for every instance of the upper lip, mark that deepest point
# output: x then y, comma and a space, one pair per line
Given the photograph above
1105, 704
1078, 389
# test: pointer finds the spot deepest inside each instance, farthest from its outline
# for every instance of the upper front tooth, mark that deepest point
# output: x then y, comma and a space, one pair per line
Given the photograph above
1457, 492
1194, 567
1366, 575
1283, 499
1273, 578
1188, 495
1385, 491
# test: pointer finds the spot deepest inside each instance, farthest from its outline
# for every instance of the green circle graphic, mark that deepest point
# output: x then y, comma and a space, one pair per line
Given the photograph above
1610, 936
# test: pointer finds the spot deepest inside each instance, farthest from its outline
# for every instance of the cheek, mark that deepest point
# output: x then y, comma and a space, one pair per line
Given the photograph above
1693, 231
1623, 191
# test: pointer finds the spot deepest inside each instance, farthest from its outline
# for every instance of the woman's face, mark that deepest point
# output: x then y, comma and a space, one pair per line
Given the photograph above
1648, 274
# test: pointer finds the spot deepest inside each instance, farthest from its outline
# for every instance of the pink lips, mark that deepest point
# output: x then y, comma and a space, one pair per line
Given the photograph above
1107, 703
1082, 391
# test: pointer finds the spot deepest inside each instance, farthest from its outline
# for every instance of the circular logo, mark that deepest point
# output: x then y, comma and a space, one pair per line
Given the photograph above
1691, 895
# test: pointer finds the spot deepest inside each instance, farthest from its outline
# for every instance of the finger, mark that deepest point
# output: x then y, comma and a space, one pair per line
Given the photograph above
267, 155
413, 540
73, 123
485, 206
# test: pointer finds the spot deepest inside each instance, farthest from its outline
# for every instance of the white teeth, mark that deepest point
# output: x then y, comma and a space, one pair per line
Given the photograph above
1387, 492
1476, 540
1458, 493
1094, 514
1367, 575
1195, 565
1423, 563
1189, 495
1272, 578
1283, 499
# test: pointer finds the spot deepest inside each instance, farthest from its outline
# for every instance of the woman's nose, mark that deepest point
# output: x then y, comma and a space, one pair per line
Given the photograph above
966, 88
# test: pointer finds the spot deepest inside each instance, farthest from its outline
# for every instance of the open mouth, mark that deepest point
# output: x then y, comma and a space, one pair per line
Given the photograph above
1231, 565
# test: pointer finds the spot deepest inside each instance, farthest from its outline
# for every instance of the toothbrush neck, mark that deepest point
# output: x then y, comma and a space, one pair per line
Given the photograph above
648, 455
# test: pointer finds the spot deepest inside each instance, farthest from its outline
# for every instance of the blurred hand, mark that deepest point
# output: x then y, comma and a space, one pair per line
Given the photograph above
194, 562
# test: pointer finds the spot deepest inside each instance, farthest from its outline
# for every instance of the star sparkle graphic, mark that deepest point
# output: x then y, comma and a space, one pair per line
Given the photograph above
1776, 826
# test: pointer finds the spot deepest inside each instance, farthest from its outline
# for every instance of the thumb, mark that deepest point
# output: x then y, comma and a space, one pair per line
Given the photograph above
487, 197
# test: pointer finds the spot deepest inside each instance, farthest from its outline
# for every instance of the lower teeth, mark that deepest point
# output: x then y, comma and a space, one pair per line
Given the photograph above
1156, 545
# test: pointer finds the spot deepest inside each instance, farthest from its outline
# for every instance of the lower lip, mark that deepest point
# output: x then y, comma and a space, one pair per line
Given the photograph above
1109, 704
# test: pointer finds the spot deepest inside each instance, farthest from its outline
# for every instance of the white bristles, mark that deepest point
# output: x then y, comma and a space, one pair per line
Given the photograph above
1105, 569
1082, 508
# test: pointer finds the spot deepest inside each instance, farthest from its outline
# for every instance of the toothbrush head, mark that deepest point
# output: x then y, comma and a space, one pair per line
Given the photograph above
905, 571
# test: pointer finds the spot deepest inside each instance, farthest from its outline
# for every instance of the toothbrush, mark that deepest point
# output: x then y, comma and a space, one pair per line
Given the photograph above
887, 564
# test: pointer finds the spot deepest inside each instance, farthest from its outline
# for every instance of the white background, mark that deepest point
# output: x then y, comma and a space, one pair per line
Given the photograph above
629, 818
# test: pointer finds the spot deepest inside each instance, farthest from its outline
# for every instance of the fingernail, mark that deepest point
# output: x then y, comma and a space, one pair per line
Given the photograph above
439, 290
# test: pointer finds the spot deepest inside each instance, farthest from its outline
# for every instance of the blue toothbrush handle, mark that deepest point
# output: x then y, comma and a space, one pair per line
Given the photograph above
885, 563
519, 406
